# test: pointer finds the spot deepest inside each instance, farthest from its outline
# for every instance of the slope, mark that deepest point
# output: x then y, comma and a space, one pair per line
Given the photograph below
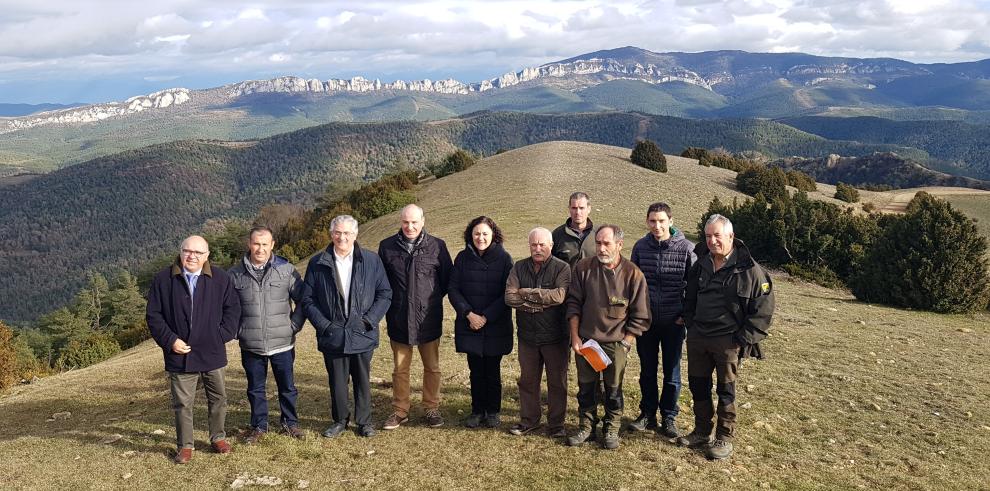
844, 400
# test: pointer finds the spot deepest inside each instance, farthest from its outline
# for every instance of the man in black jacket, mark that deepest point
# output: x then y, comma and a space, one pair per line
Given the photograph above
193, 311
418, 266
665, 256
728, 306
345, 296
575, 239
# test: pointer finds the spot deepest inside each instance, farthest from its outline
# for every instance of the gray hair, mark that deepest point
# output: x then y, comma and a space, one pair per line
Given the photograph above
716, 218
617, 233
344, 218
540, 230
578, 195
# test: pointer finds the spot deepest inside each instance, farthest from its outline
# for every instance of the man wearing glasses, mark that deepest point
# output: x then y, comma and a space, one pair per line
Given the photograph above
345, 297
193, 311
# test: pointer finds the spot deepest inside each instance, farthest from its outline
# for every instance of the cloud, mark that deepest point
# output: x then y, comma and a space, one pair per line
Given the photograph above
471, 40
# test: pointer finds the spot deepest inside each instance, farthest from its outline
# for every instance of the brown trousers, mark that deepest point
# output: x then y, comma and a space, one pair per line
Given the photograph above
719, 354
183, 387
532, 359
402, 355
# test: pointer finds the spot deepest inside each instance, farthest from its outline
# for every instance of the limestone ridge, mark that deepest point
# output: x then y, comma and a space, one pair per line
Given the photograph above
98, 112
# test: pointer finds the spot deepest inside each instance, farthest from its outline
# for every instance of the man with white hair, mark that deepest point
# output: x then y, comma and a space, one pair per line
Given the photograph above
193, 311
608, 302
728, 306
345, 296
537, 288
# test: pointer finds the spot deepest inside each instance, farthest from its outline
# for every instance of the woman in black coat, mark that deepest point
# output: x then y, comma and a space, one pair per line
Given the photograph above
483, 328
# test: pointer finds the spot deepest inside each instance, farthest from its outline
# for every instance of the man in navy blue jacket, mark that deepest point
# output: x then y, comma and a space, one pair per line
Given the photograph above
345, 297
193, 311
665, 257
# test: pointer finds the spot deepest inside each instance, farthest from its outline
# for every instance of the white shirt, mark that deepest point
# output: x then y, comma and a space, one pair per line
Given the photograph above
345, 266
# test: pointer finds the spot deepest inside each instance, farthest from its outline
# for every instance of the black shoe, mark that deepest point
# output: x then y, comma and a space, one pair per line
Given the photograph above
642, 423
473, 420
492, 420
366, 431
334, 430
668, 429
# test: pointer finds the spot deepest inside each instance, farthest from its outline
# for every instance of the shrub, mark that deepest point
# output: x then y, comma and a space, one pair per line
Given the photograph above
801, 181
648, 155
759, 180
869, 207
455, 162
847, 193
932, 258
694, 153
8, 358
86, 351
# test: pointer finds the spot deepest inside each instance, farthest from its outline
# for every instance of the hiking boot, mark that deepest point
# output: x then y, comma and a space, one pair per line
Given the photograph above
254, 436
366, 431
493, 420
519, 429
668, 429
394, 421
183, 455
719, 449
611, 437
694, 439
334, 430
433, 418
294, 431
585, 433
642, 423
473, 421
221, 446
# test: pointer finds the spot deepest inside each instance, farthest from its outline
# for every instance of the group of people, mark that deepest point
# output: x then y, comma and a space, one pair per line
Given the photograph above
574, 288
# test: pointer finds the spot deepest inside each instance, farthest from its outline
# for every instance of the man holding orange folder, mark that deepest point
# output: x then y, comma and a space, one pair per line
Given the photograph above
608, 303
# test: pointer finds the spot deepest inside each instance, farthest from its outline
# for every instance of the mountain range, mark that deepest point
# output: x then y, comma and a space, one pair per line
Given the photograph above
715, 84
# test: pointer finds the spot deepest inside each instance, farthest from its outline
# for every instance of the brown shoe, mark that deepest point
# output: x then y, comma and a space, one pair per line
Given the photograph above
394, 421
294, 431
183, 455
221, 446
254, 436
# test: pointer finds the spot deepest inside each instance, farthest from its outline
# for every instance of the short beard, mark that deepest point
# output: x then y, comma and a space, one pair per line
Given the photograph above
604, 260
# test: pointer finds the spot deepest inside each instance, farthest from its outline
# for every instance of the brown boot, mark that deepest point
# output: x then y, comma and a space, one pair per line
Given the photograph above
183, 455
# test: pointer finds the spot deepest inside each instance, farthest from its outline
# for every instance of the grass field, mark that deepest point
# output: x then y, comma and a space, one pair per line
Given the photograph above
851, 396
977, 206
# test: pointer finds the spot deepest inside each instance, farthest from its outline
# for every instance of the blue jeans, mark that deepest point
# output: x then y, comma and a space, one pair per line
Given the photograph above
663, 342
256, 370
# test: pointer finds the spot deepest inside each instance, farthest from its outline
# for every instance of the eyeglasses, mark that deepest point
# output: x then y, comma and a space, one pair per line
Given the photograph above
191, 253
337, 233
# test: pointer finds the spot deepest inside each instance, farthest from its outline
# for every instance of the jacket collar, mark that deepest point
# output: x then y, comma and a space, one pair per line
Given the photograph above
493, 252
570, 231
177, 268
744, 259
327, 256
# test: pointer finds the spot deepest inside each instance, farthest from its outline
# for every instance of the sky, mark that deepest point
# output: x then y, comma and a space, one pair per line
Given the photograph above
67, 51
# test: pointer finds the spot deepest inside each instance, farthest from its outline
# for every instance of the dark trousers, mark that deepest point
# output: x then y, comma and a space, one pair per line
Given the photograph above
532, 358
256, 370
486, 383
342, 369
611, 378
183, 386
663, 342
719, 354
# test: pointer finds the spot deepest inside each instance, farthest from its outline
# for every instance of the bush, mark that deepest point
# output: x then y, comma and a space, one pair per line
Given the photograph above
847, 193
932, 258
455, 162
694, 153
869, 207
801, 181
648, 155
88, 350
759, 180
8, 358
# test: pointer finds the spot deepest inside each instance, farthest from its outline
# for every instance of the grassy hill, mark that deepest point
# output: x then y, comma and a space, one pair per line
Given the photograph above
851, 395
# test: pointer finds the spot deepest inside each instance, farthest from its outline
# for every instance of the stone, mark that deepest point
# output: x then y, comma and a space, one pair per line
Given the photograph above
747, 405
112, 438
750, 388
61, 415
833, 309
965, 330
369, 453
127, 476
875, 406
376, 380
678, 469
128, 454
302, 484
862, 323
158, 432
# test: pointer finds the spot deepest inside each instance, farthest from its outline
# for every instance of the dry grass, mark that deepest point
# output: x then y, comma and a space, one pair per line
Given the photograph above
851, 396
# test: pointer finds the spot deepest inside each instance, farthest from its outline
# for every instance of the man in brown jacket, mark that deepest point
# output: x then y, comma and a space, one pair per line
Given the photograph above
537, 288
608, 302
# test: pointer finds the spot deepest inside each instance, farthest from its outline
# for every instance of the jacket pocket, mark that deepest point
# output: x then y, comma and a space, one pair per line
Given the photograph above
332, 339
616, 311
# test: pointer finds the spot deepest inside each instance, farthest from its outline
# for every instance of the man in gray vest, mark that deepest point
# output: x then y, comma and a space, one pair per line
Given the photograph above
268, 285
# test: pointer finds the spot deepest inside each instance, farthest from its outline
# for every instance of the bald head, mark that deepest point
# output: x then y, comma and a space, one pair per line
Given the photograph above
540, 244
412, 221
193, 253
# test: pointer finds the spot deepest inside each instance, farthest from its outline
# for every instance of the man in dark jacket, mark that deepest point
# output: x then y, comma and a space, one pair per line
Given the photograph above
418, 267
537, 288
728, 305
267, 285
345, 296
664, 256
193, 311
575, 239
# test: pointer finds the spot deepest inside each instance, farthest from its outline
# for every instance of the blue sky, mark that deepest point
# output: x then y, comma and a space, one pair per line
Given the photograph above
86, 51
